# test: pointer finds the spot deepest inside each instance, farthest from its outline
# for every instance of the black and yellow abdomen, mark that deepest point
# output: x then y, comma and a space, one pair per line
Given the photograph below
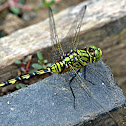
24, 77
57, 67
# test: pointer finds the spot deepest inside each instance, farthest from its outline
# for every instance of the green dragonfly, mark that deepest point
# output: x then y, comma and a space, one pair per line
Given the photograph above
76, 58
70, 59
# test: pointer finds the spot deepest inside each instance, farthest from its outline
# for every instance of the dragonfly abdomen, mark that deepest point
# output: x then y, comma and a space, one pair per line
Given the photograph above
58, 67
24, 77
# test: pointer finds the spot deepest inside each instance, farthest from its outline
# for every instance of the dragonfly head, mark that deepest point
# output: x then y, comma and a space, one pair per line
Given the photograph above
95, 53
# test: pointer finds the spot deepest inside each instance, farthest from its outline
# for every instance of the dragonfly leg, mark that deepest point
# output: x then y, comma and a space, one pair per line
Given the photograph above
72, 92
70, 85
85, 75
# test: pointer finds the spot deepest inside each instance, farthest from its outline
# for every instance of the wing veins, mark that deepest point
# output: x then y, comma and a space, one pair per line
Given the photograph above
75, 43
75, 27
53, 33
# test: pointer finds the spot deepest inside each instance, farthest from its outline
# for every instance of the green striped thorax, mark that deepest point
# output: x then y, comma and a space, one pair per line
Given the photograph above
76, 59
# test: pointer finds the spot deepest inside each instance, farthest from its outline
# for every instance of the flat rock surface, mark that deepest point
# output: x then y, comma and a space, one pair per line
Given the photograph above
50, 102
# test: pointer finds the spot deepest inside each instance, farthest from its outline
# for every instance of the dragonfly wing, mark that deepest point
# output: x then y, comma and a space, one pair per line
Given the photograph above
71, 40
102, 80
56, 47
67, 44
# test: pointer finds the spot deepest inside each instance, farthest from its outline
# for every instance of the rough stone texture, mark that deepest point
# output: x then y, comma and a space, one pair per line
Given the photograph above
50, 102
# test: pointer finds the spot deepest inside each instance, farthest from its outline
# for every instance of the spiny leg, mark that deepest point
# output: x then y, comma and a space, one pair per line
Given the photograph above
85, 75
72, 92
87, 93
70, 81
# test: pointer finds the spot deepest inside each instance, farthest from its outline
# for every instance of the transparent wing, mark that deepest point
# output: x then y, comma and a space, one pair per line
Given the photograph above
103, 89
67, 44
72, 42
56, 47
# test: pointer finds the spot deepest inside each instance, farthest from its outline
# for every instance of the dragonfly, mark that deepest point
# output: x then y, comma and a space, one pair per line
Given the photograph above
74, 60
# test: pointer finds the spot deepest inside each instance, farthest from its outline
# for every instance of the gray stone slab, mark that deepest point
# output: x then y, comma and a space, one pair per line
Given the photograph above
50, 103
33, 38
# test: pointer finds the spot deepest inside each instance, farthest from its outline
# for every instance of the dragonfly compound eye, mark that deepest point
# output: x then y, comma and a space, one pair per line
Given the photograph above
98, 54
